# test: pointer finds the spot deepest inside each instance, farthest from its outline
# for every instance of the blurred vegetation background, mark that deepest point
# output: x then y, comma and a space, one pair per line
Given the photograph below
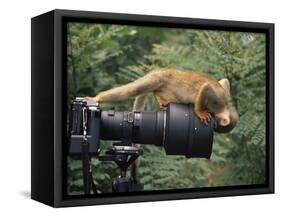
102, 56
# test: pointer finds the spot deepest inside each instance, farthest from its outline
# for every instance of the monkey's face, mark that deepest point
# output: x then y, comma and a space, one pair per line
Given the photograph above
233, 118
218, 106
223, 110
218, 103
223, 118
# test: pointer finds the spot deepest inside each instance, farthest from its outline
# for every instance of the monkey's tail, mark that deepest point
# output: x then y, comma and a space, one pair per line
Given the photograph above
138, 106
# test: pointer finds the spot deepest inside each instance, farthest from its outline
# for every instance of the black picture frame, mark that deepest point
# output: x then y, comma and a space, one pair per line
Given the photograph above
48, 107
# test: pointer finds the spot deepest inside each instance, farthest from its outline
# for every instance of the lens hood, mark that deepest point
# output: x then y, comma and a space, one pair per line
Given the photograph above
186, 134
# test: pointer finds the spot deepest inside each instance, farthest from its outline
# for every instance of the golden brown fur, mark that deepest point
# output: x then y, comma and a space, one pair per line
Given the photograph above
171, 85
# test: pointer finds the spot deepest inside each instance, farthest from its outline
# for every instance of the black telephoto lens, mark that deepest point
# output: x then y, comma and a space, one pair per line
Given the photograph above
177, 129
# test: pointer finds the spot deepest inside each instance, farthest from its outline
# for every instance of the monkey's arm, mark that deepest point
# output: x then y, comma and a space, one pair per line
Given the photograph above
141, 86
200, 105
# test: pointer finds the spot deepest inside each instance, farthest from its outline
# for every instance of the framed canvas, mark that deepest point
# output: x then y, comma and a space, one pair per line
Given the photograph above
134, 108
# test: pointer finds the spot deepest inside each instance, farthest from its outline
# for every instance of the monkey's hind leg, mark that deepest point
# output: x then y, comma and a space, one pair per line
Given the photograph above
141, 86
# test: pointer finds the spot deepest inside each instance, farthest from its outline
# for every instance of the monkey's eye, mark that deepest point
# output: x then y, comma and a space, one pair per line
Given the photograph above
215, 103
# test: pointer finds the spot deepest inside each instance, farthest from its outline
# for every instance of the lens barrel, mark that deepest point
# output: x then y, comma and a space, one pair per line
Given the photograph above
177, 129
138, 127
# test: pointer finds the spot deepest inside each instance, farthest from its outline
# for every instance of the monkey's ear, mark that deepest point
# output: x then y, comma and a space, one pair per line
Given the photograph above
225, 84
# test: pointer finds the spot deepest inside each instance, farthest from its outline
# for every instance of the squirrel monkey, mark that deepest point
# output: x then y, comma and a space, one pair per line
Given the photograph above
209, 96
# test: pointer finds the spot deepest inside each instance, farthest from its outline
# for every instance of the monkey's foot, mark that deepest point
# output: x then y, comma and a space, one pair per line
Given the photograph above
204, 116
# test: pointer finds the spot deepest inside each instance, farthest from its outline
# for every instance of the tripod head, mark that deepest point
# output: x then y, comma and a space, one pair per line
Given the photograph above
123, 155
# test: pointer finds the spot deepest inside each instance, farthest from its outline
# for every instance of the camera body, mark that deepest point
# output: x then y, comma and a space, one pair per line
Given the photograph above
176, 128
85, 119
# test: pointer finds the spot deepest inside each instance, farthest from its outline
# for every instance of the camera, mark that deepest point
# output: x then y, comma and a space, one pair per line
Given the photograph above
175, 128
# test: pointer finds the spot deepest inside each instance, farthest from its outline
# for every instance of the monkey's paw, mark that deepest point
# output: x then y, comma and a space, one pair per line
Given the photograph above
92, 99
204, 116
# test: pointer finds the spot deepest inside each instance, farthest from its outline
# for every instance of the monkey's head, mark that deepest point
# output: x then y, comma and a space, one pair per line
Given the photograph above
219, 104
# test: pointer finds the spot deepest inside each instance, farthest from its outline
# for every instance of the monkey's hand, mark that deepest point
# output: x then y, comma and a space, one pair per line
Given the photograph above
92, 99
204, 116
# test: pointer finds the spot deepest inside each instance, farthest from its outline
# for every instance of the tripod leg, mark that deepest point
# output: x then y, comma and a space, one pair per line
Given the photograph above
87, 175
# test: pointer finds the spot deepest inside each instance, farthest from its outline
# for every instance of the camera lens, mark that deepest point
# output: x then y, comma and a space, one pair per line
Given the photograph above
177, 129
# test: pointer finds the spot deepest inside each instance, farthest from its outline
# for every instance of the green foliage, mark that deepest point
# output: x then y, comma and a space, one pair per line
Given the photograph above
103, 56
